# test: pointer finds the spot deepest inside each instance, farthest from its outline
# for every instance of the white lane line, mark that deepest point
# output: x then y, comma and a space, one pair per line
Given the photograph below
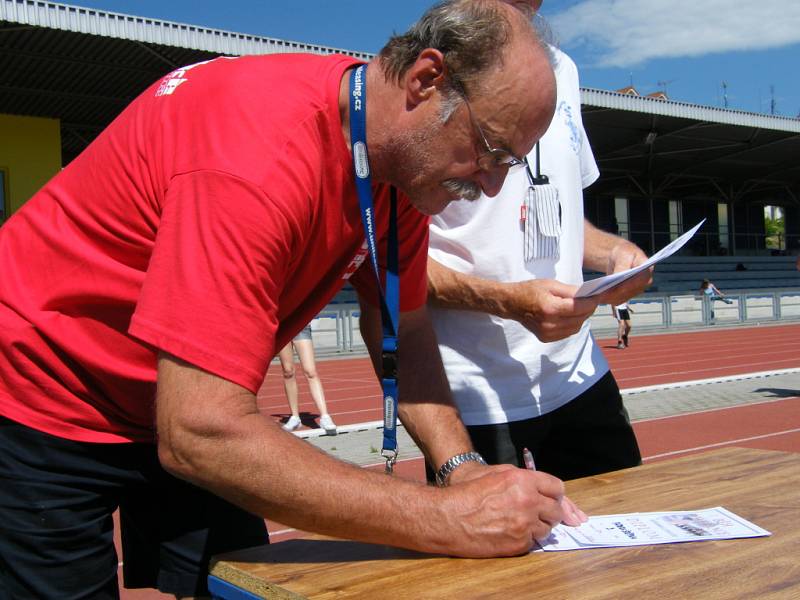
369, 425
722, 379
282, 407
718, 444
399, 460
716, 409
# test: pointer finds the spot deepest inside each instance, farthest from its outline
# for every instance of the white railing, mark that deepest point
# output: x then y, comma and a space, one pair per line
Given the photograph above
670, 311
336, 328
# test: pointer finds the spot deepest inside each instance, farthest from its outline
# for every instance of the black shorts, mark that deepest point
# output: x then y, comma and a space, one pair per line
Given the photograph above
589, 435
623, 314
57, 498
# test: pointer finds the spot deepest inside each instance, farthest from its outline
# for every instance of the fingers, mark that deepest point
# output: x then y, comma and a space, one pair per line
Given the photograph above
543, 500
555, 287
546, 484
624, 256
626, 290
585, 307
549, 514
573, 516
564, 310
550, 310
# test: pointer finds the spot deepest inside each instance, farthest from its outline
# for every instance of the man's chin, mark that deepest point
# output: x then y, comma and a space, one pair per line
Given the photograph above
437, 209
430, 209
431, 204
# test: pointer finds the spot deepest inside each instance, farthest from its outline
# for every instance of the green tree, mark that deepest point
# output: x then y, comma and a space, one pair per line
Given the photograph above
775, 230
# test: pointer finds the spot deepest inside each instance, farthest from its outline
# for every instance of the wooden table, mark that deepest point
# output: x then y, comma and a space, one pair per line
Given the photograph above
761, 486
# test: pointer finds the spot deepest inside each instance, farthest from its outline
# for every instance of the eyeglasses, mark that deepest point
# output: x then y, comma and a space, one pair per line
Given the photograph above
493, 158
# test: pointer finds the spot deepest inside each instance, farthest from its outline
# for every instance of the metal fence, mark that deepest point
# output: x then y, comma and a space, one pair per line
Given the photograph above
336, 328
672, 311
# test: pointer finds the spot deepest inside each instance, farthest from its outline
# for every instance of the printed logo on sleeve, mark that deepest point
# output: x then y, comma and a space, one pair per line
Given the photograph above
564, 111
172, 80
357, 261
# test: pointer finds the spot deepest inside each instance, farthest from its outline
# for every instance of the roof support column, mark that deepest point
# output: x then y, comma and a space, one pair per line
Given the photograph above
732, 214
652, 220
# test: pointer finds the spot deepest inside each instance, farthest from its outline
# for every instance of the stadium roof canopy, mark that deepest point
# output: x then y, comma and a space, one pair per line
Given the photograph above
83, 66
667, 149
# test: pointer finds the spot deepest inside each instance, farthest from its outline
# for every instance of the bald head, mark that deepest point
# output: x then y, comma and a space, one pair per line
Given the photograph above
526, 5
516, 95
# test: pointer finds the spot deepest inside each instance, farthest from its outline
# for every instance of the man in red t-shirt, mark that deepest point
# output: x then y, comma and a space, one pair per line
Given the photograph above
149, 284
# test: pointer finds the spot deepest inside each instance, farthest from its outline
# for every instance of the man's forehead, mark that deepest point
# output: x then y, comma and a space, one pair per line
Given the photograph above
517, 99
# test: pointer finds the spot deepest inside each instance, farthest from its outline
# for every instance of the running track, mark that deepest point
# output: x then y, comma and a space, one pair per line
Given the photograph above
353, 396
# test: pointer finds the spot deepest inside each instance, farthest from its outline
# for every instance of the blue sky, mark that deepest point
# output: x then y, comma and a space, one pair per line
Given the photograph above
688, 47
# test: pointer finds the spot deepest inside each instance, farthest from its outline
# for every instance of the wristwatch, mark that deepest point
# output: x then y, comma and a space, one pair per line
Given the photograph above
443, 474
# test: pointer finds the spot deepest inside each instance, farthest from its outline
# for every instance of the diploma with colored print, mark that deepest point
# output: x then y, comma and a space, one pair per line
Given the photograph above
641, 529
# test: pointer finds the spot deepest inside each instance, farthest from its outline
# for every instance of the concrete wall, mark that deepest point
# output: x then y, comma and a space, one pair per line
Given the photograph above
30, 154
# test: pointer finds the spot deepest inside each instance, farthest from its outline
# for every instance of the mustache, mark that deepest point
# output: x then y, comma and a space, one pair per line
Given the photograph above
467, 190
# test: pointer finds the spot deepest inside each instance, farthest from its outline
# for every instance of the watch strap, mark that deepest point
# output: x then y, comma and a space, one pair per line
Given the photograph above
452, 463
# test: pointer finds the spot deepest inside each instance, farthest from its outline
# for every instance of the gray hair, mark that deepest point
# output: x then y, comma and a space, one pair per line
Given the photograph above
471, 34
546, 34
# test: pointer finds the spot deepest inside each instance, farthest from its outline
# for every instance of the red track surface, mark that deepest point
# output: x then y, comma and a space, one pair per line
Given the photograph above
353, 395
771, 425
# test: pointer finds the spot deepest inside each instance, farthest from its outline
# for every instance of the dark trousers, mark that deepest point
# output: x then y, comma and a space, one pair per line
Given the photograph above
589, 435
57, 498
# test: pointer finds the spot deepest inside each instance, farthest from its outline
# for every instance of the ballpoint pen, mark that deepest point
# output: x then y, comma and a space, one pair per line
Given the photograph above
528, 458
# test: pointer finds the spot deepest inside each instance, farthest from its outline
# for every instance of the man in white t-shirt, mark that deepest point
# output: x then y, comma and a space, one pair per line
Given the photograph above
503, 271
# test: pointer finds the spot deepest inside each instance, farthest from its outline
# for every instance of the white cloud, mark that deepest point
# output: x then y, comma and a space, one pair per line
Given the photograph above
624, 33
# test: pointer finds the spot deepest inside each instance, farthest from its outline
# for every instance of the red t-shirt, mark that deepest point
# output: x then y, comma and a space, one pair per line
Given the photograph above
213, 219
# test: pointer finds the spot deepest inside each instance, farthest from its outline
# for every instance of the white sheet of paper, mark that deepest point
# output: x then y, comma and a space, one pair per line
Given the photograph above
601, 284
641, 529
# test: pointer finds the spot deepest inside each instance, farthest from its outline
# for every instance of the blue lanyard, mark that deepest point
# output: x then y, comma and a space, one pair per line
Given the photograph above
390, 302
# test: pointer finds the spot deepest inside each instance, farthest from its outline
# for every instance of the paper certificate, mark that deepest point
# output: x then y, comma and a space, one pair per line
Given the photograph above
601, 284
639, 529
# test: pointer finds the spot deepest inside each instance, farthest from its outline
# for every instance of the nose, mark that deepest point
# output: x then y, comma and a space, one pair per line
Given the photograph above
491, 181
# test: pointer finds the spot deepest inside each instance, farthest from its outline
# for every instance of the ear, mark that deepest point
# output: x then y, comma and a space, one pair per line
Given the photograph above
425, 77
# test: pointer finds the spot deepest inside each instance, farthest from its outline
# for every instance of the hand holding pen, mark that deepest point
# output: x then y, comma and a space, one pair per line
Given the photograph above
573, 516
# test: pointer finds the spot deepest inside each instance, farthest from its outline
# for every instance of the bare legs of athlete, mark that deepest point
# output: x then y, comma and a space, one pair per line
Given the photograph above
305, 352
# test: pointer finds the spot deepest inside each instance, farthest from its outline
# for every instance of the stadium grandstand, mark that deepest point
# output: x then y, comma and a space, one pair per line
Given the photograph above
664, 165
68, 71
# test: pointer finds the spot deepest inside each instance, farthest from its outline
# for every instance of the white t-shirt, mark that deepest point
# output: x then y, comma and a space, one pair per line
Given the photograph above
497, 369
